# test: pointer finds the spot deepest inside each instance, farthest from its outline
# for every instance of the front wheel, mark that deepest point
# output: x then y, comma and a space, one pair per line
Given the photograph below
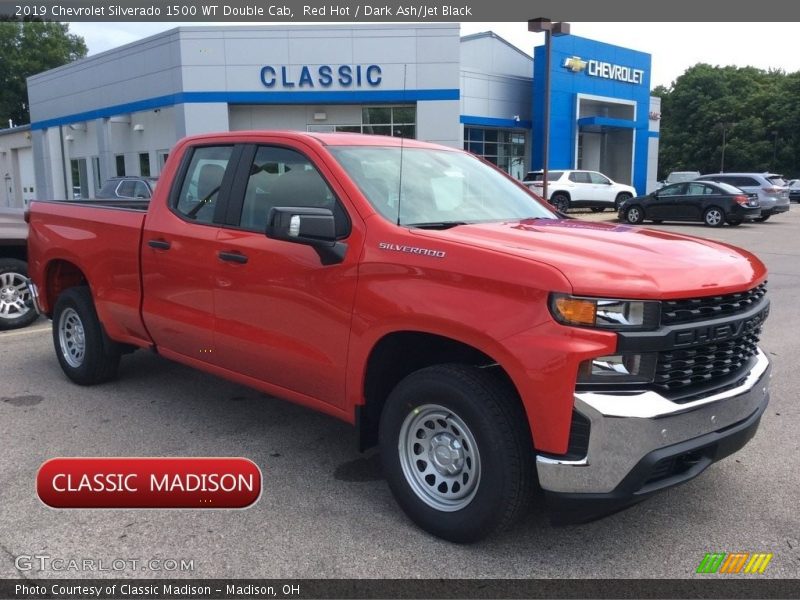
457, 452
16, 302
714, 217
763, 218
597, 209
734, 222
84, 352
621, 198
634, 215
560, 202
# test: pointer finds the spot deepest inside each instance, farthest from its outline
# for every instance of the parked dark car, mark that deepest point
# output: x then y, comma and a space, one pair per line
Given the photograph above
712, 203
128, 187
16, 303
794, 190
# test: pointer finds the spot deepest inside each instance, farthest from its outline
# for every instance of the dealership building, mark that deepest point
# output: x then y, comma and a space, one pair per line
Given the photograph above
120, 112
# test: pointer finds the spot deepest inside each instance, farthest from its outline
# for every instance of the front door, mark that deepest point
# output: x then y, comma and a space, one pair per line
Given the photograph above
283, 317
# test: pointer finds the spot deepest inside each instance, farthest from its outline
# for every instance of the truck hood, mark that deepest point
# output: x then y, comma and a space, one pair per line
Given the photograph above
619, 260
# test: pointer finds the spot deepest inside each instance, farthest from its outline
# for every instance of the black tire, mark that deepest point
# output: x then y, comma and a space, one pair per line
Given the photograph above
714, 217
734, 222
763, 218
634, 214
96, 359
597, 209
474, 405
560, 202
16, 302
621, 197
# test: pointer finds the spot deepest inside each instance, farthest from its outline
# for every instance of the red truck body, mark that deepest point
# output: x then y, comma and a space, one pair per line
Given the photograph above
272, 315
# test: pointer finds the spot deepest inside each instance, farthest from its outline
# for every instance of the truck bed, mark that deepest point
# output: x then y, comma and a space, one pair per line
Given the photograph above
101, 238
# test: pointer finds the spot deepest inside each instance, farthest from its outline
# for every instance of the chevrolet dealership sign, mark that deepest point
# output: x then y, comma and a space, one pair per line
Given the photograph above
606, 70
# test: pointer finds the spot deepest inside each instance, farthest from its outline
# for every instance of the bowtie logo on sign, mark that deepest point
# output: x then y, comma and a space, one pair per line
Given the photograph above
605, 70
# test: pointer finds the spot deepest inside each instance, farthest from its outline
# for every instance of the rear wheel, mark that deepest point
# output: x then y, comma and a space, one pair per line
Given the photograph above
734, 222
634, 215
84, 352
16, 302
714, 217
560, 202
457, 452
763, 218
621, 197
597, 209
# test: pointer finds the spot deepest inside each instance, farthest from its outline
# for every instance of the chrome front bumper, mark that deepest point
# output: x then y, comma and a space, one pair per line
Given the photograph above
626, 428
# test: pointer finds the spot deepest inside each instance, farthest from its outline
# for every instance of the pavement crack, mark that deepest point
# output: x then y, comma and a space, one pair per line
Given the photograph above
12, 558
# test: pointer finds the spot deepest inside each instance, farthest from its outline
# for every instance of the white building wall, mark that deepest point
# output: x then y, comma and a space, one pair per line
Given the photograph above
17, 183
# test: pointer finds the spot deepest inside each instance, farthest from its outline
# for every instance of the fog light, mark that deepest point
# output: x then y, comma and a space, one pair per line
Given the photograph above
618, 368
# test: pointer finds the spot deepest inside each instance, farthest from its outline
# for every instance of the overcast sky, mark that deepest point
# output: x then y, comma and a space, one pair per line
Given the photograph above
674, 46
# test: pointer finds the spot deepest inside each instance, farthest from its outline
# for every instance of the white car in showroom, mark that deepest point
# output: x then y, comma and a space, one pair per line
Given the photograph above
579, 189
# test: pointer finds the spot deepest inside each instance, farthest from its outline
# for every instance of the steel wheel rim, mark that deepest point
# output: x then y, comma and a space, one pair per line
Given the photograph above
15, 296
71, 337
713, 217
633, 215
439, 458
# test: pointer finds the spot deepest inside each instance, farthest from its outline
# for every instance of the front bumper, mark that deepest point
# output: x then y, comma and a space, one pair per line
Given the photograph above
640, 443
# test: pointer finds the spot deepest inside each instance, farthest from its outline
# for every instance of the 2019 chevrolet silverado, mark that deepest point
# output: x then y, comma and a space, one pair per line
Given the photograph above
483, 343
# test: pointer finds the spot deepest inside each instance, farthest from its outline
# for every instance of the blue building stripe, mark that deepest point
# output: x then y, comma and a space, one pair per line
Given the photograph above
494, 122
333, 97
606, 122
654, 134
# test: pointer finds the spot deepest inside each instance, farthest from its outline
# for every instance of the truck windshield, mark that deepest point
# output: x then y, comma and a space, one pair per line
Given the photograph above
440, 188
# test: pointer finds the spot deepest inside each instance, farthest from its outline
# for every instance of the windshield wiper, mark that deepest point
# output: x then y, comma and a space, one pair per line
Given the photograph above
436, 224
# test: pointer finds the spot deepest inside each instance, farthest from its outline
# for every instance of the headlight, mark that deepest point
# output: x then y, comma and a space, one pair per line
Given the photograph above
605, 313
619, 368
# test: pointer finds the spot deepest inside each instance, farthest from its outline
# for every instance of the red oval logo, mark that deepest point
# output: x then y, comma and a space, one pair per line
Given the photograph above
148, 482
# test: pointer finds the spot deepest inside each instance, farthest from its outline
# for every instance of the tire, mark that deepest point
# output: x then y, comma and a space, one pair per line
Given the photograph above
85, 353
621, 197
485, 479
734, 222
763, 218
16, 302
597, 209
560, 202
634, 215
714, 217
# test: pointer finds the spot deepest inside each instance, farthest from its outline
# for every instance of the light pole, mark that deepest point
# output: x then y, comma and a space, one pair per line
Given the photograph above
549, 28
722, 159
774, 151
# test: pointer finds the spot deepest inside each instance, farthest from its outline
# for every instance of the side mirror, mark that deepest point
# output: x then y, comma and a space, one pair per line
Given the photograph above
313, 227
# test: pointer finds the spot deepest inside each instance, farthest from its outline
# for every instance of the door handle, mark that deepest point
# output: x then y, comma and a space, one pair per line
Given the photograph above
159, 244
236, 257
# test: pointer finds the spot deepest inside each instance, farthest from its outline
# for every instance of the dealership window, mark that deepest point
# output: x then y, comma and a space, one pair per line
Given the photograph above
120, 160
144, 164
163, 155
98, 178
502, 147
395, 121
80, 180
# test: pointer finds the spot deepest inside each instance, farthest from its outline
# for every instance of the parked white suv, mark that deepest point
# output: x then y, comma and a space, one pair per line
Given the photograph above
580, 189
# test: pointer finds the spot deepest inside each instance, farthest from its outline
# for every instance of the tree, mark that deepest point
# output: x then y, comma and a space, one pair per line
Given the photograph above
750, 113
27, 48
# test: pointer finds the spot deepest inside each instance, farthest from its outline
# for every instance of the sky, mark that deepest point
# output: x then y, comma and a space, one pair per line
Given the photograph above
673, 46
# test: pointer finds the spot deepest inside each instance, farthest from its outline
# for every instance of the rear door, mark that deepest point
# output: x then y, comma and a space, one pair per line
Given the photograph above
581, 188
179, 262
697, 199
282, 317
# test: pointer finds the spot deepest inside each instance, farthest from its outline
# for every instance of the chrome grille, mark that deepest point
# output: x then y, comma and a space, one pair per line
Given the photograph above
710, 307
678, 369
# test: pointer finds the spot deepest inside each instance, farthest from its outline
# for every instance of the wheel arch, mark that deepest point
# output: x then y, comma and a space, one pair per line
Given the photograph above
398, 354
60, 275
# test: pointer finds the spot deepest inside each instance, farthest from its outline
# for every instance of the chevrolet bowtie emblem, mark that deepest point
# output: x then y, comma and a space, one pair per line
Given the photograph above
575, 64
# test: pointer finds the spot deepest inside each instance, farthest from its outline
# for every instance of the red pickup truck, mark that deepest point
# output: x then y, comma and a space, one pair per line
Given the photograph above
484, 342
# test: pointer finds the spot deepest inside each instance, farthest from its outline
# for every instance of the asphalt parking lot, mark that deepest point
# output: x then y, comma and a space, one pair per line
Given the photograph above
326, 512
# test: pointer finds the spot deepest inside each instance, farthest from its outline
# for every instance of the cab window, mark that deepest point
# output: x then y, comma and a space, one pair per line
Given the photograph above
202, 184
672, 190
280, 177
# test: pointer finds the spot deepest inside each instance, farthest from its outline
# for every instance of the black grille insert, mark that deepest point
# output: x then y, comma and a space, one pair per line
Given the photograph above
698, 365
710, 307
